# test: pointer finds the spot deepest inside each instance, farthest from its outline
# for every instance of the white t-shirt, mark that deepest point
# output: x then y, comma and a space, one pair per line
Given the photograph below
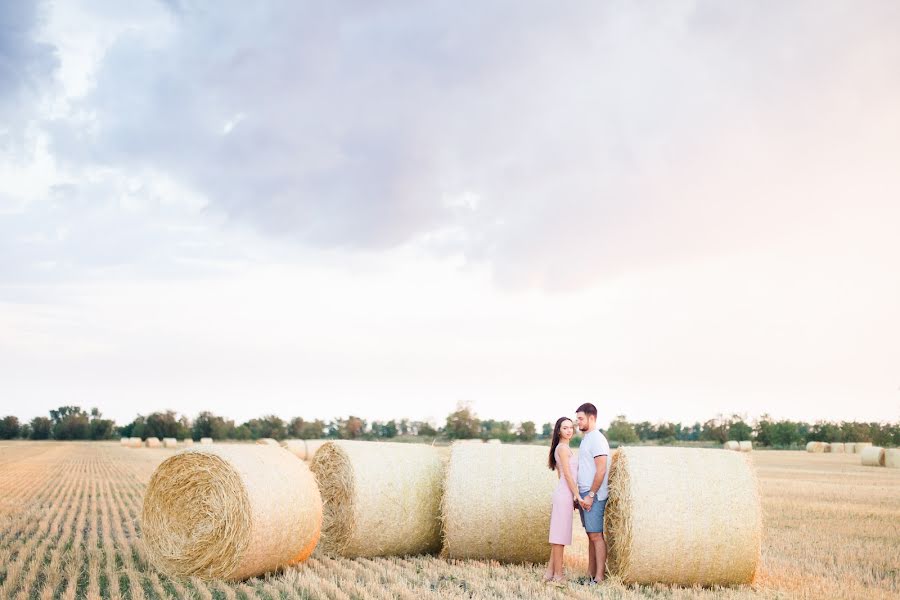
592, 445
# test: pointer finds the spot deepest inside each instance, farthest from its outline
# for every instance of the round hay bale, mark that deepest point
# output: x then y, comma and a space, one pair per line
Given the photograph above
826, 447
170, 443
135, 442
230, 512
817, 447
860, 446
153, 442
837, 448
850, 448
268, 442
381, 498
469, 441
125, 441
188, 442
810, 446
206, 441
732, 445
684, 516
872, 456
303, 449
494, 441
746, 446
892, 458
497, 502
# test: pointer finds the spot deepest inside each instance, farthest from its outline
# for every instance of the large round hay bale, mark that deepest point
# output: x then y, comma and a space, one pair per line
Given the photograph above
837, 448
170, 443
153, 442
872, 456
732, 445
683, 516
230, 512
303, 449
268, 442
497, 502
892, 458
135, 442
381, 498
206, 441
746, 446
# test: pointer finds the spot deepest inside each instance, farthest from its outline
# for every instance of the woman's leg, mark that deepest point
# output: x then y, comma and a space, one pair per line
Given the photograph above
556, 558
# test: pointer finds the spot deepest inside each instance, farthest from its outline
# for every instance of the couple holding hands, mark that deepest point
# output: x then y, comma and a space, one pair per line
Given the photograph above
583, 485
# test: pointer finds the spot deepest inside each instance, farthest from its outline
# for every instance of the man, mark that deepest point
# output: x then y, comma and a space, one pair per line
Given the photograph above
593, 487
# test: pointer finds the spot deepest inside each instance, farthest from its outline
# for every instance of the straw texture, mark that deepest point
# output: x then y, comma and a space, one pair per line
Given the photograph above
206, 441
746, 446
837, 448
732, 445
303, 449
170, 443
497, 502
892, 458
153, 442
683, 516
381, 498
872, 456
817, 447
230, 512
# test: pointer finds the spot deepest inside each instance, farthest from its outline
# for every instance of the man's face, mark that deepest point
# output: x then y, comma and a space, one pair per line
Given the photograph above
584, 423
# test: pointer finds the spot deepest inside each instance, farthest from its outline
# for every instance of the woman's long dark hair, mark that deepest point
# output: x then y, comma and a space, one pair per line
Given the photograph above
555, 442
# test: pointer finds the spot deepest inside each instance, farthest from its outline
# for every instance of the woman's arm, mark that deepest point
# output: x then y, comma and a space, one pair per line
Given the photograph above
565, 454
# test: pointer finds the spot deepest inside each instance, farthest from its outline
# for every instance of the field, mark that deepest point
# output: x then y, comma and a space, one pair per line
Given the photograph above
69, 529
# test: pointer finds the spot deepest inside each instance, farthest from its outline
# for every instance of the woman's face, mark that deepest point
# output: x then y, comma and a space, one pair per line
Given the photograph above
566, 430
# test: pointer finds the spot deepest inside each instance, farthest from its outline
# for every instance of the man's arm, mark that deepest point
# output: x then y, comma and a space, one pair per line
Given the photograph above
600, 463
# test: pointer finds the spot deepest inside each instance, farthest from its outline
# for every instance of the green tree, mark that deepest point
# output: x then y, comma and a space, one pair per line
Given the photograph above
41, 428
9, 427
462, 424
620, 430
738, 430
70, 423
715, 430
209, 425
527, 431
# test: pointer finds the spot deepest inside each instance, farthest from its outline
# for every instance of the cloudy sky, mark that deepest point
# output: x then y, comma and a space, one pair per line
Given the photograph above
673, 210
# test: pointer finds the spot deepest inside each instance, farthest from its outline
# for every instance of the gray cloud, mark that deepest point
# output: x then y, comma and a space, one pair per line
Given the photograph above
588, 140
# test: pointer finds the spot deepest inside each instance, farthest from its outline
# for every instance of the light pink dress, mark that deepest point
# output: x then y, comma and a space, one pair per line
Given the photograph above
563, 508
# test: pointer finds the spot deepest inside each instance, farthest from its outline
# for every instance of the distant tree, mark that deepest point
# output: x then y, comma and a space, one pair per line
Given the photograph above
645, 431
9, 427
242, 432
41, 428
386, 430
351, 428
423, 428
547, 430
527, 431
500, 430
101, 429
620, 430
738, 430
162, 425
404, 427
306, 430
715, 430
25, 431
269, 426
462, 424
70, 423
209, 425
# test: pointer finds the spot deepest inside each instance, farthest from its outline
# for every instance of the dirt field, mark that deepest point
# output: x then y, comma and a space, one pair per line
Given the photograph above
69, 529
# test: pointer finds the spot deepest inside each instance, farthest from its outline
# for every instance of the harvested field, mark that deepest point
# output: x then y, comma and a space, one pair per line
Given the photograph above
69, 529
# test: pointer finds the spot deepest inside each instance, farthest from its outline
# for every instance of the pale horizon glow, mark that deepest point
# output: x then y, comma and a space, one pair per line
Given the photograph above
386, 212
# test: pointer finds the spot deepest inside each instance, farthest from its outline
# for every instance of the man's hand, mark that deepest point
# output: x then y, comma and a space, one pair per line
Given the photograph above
586, 503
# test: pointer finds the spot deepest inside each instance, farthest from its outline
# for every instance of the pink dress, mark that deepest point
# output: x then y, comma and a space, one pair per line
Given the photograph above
563, 510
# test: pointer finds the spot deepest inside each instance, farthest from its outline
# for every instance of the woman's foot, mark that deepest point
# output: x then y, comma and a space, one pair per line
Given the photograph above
558, 581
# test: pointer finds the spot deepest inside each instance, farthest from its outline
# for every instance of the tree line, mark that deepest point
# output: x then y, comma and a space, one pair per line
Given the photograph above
73, 423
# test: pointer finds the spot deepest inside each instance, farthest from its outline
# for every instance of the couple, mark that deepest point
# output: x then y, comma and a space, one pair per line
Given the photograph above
583, 484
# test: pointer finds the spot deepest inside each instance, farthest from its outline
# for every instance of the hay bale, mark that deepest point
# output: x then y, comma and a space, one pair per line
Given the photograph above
497, 502
381, 498
170, 443
837, 448
303, 449
732, 445
817, 447
860, 446
230, 512
268, 442
872, 456
125, 441
850, 448
892, 458
683, 516
188, 442
746, 446
206, 441
826, 447
153, 442
494, 441
135, 442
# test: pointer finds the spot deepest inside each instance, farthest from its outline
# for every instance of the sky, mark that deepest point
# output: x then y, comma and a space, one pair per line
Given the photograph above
672, 210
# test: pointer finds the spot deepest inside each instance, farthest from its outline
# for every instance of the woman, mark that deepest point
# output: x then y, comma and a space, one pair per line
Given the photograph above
564, 497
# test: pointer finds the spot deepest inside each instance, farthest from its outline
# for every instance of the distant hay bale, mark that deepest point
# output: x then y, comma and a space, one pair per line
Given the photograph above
125, 441
732, 445
670, 510
135, 442
268, 442
206, 441
746, 446
826, 447
892, 458
470, 441
380, 498
860, 446
188, 442
153, 442
170, 443
494, 441
850, 448
230, 512
837, 448
497, 502
817, 447
872, 456
303, 449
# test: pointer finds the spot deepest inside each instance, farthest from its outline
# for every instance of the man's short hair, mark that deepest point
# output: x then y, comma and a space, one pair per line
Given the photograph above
588, 409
